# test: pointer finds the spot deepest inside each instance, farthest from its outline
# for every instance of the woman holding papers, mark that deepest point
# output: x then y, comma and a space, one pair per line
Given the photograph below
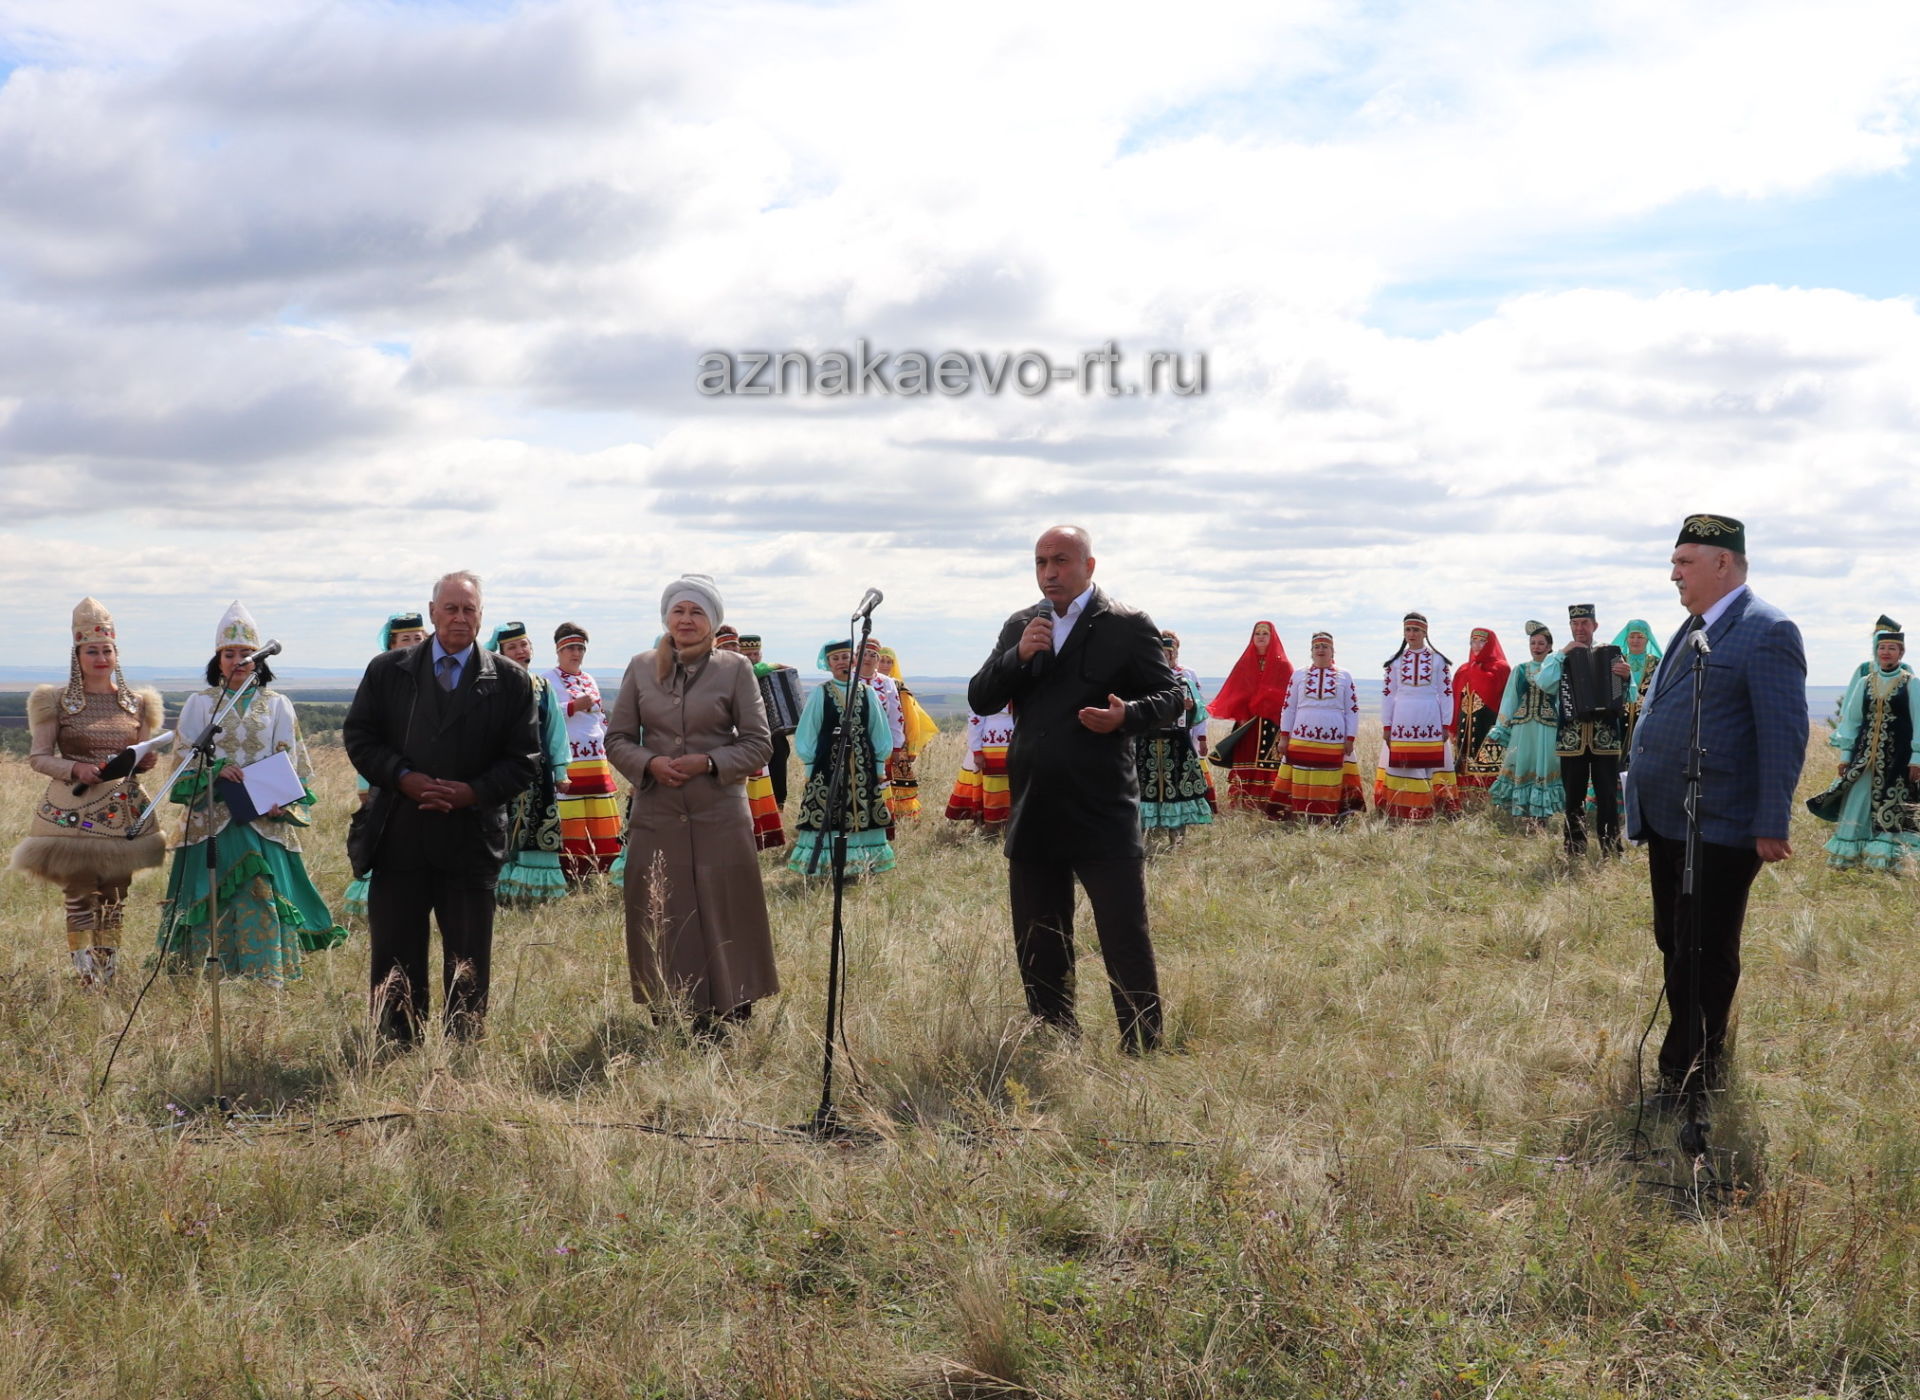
269, 912
85, 834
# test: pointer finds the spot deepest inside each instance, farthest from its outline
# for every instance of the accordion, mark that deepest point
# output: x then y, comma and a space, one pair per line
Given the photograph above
780, 692
1593, 691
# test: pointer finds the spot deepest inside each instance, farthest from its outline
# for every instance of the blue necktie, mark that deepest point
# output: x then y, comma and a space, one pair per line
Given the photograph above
449, 672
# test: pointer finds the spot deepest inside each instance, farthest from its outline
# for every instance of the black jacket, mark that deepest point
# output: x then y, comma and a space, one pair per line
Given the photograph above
484, 733
1076, 794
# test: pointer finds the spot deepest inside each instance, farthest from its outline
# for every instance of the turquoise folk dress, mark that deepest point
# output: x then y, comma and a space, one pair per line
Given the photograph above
868, 850
532, 873
1173, 784
1871, 802
270, 913
1529, 782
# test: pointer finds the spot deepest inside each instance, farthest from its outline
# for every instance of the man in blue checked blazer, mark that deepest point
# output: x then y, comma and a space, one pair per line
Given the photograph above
1753, 727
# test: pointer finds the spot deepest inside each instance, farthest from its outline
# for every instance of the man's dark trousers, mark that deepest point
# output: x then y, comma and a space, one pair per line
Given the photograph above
1042, 899
1603, 771
1697, 1031
399, 906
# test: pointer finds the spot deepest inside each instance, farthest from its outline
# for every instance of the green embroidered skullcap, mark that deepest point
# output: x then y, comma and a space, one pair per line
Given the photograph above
506, 632
400, 622
1533, 627
1720, 531
1576, 611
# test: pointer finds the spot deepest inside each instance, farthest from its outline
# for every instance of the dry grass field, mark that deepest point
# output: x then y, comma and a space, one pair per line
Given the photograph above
1390, 1152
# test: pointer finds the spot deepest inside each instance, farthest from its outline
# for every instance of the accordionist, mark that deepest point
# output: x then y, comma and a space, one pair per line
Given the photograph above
1592, 687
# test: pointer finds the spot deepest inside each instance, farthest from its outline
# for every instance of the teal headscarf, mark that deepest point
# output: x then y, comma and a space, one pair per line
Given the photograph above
506, 632
400, 622
1644, 662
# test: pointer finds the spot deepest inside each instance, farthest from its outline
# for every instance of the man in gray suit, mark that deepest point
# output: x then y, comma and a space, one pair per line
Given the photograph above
1753, 727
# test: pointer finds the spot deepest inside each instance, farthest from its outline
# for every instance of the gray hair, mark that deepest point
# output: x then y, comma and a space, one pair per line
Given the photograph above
466, 576
1736, 560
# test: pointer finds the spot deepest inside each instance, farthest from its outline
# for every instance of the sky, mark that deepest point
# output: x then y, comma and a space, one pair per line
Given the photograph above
309, 304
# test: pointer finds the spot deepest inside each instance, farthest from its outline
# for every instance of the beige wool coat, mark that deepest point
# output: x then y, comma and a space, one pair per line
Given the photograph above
711, 945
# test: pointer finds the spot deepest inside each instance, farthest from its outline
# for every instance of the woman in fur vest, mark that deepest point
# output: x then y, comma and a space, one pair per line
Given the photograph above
86, 842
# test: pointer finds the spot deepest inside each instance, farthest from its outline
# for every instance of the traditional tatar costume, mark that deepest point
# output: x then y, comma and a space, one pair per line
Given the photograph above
353, 904
90, 844
1319, 780
269, 912
1871, 803
1592, 750
1643, 664
1414, 782
982, 792
889, 701
782, 748
1528, 785
868, 850
1198, 730
1478, 687
916, 728
1255, 694
1173, 780
532, 873
589, 812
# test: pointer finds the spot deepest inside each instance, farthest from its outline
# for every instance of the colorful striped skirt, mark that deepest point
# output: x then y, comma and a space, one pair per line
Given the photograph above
1256, 763
983, 796
1318, 782
1406, 794
589, 818
903, 796
768, 830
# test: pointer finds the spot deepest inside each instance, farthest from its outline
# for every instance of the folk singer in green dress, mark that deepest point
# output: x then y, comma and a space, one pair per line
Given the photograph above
1529, 784
1872, 801
269, 911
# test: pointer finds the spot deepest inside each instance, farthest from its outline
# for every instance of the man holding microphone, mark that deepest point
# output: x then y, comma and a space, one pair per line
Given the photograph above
1085, 674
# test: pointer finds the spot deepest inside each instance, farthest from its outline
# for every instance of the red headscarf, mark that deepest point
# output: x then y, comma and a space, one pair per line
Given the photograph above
1485, 675
1254, 691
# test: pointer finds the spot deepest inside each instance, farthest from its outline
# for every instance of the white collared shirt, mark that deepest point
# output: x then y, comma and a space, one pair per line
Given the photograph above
1063, 621
1714, 613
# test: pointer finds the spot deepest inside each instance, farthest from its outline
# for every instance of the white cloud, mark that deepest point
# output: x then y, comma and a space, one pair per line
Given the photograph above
311, 304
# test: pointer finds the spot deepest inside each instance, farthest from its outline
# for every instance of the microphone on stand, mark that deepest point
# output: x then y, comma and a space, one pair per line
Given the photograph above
873, 599
270, 649
1698, 641
1037, 667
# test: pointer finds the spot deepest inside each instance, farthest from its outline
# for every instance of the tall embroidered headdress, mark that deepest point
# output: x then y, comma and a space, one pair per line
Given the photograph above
93, 623
236, 628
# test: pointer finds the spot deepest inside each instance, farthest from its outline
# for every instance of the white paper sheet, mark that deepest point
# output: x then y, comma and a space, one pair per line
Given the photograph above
272, 782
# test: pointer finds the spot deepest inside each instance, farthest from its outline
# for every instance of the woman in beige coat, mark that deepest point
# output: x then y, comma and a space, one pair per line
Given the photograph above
687, 731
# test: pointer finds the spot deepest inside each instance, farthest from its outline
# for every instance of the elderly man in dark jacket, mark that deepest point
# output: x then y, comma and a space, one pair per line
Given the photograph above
1084, 674
445, 733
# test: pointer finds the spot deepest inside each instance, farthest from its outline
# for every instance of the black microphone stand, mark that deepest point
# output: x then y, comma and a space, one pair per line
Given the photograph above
199, 758
1693, 1132
849, 739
